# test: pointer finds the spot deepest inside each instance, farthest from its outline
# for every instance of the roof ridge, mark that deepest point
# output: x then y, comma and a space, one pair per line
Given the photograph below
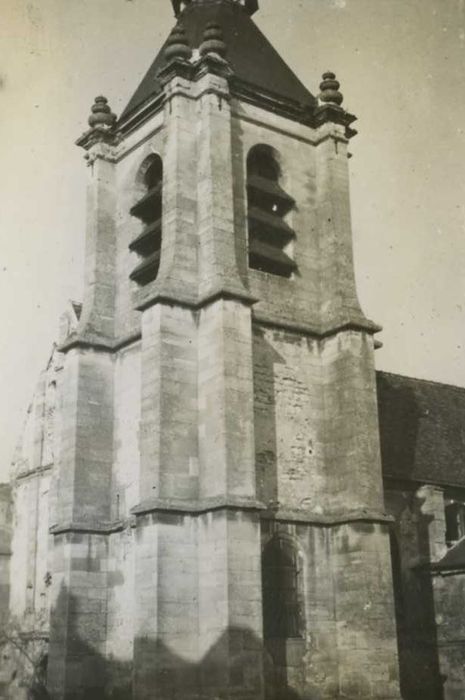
457, 387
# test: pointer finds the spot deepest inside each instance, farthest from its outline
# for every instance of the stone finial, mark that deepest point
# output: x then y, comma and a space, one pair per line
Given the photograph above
101, 114
330, 89
177, 45
213, 40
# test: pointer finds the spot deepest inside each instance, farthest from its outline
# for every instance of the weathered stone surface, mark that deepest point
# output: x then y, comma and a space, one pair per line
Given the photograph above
428, 593
5, 548
198, 499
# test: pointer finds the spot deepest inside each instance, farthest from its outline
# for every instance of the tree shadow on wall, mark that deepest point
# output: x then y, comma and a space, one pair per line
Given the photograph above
232, 668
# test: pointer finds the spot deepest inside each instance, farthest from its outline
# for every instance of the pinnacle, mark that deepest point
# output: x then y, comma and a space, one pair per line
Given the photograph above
101, 114
177, 45
213, 40
329, 87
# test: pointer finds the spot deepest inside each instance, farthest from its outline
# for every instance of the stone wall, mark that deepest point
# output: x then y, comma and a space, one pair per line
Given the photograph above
314, 172
165, 413
127, 429
429, 594
33, 489
5, 548
313, 450
346, 646
31, 563
449, 596
29, 573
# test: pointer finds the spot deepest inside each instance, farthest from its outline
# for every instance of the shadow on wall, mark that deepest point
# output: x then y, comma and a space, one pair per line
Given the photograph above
419, 667
399, 419
230, 669
23, 663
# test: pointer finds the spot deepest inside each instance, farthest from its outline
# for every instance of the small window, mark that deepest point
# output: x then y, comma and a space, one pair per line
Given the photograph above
455, 521
148, 209
268, 204
282, 590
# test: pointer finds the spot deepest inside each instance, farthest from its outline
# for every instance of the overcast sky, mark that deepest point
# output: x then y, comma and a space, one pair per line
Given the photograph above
401, 65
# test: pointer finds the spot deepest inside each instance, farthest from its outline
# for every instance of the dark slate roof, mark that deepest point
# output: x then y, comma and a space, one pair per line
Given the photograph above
454, 559
422, 429
250, 54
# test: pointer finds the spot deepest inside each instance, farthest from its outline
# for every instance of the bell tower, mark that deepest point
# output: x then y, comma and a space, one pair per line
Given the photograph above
219, 526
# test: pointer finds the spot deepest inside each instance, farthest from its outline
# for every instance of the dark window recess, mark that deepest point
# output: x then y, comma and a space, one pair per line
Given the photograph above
455, 521
282, 595
396, 563
268, 203
148, 209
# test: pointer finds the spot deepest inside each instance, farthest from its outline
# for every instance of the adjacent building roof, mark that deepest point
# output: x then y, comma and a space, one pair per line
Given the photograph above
252, 58
453, 560
422, 430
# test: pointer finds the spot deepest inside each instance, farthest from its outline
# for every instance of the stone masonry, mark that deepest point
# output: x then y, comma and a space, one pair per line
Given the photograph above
199, 512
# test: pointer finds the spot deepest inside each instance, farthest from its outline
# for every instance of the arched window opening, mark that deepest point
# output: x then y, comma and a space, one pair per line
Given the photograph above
268, 204
262, 163
154, 173
282, 590
148, 209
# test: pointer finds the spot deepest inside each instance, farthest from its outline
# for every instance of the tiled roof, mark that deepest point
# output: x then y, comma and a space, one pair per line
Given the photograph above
422, 429
251, 56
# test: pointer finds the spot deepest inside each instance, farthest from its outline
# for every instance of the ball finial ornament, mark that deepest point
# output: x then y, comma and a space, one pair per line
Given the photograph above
329, 87
177, 45
213, 40
101, 114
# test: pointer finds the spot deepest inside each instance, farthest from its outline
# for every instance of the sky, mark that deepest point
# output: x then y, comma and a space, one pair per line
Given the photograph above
401, 64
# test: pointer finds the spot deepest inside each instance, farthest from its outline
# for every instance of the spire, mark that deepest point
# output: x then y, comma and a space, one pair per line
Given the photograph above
250, 6
257, 67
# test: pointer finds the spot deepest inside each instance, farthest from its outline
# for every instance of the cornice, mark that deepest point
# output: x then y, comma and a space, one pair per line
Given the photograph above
145, 298
317, 330
306, 517
197, 506
84, 341
91, 528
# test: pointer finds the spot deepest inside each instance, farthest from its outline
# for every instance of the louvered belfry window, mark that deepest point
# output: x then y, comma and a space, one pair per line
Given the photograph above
270, 235
148, 209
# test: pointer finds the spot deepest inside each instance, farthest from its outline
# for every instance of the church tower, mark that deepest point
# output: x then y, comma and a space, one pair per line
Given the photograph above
219, 529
